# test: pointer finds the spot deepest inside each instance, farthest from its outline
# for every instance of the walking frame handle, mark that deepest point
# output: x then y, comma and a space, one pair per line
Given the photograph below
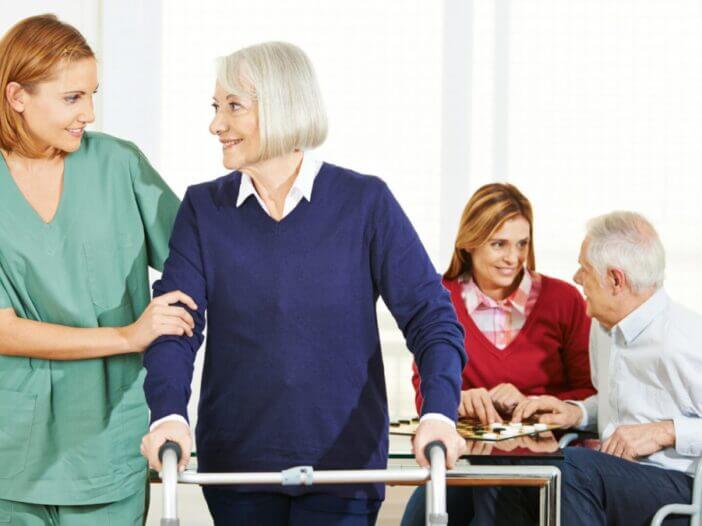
170, 454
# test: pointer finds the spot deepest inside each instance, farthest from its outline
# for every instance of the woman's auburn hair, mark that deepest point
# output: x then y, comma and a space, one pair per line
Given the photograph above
30, 53
487, 210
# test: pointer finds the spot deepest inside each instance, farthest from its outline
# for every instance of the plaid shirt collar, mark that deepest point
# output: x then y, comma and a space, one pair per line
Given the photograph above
474, 298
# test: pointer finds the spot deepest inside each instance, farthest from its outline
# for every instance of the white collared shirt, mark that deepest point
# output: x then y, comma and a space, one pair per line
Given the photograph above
648, 368
302, 187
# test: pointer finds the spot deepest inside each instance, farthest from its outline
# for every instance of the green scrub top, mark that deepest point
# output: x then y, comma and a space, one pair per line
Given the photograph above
70, 430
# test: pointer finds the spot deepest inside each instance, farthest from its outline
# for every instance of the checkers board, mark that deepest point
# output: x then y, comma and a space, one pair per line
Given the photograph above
473, 430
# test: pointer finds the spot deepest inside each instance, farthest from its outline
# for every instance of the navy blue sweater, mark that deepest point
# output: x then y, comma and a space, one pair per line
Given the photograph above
293, 371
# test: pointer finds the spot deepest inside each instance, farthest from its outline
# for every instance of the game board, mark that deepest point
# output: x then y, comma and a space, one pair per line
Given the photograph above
473, 430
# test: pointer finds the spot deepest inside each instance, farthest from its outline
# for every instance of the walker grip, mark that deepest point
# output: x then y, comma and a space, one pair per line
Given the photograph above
433, 444
169, 444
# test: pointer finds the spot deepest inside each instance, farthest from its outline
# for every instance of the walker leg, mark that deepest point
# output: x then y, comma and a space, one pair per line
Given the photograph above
428, 501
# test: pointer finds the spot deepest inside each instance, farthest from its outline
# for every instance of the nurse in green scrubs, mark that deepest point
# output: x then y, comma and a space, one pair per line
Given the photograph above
82, 217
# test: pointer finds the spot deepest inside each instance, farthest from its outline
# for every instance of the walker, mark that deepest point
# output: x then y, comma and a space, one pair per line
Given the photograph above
435, 477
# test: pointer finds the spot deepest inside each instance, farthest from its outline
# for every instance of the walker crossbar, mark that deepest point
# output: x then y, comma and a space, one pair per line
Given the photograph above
305, 476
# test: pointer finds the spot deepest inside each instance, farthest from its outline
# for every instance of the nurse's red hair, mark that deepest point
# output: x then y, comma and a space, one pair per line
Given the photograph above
30, 53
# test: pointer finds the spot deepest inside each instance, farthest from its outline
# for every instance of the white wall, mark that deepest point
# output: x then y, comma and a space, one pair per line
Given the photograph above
125, 36
597, 107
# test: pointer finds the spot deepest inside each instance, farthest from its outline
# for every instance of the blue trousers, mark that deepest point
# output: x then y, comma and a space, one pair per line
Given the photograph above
229, 508
597, 489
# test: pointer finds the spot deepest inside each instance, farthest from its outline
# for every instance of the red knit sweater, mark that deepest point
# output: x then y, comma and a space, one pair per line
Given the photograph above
548, 356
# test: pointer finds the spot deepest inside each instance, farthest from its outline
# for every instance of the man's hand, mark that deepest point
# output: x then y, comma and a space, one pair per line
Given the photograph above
476, 403
171, 430
550, 410
633, 441
506, 397
430, 430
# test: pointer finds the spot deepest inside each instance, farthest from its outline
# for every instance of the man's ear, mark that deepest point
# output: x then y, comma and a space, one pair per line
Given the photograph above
617, 280
16, 95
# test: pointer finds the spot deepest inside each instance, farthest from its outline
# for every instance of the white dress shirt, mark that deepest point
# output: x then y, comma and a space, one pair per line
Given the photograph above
648, 368
301, 188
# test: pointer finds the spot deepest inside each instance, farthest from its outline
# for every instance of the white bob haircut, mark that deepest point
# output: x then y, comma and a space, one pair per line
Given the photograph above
628, 242
280, 78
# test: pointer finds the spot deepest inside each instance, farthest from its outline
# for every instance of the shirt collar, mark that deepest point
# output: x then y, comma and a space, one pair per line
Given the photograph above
636, 322
474, 297
309, 168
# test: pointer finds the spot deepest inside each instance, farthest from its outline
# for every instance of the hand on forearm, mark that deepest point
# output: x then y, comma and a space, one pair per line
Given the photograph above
161, 318
48, 341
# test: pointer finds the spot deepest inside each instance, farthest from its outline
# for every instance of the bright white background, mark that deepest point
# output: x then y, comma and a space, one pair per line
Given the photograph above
586, 105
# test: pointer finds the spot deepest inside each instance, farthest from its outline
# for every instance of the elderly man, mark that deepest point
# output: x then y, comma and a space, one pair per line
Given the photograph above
646, 362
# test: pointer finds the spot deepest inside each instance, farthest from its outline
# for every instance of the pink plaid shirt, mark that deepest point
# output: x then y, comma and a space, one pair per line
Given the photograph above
501, 321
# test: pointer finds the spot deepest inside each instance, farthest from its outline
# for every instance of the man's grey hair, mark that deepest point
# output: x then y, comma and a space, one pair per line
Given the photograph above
626, 241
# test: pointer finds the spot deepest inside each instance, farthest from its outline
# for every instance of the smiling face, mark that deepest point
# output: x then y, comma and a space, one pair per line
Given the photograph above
497, 264
56, 111
236, 125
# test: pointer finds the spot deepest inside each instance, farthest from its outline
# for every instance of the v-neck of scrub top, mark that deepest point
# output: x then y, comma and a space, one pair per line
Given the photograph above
50, 232
30, 209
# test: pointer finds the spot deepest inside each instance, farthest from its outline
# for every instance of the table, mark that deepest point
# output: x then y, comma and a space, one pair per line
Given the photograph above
475, 469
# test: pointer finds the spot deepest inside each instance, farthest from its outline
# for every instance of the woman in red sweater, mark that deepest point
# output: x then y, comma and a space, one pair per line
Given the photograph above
526, 333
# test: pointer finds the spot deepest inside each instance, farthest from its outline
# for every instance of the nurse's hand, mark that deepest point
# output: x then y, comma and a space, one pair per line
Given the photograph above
159, 319
172, 430
430, 430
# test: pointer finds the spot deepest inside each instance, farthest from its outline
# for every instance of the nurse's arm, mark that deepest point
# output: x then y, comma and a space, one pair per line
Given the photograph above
48, 341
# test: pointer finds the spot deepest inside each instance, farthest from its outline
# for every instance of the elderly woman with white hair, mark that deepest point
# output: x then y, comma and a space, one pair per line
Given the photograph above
645, 364
288, 256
